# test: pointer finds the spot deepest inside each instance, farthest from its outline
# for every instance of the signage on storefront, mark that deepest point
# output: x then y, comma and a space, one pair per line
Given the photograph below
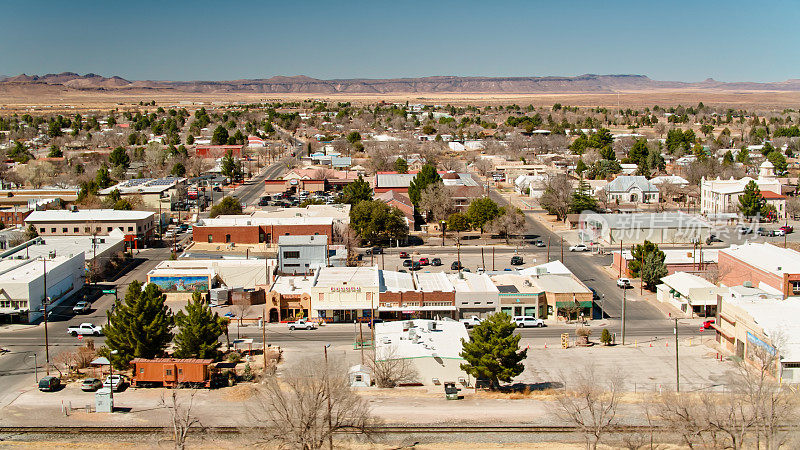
345, 288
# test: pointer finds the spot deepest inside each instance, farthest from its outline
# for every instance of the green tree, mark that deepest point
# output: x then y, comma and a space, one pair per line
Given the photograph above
654, 270
178, 170
428, 175
353, 137
458, 222
751, 202
357, 191
481, 211
639, 253
638, 153
103, 179
199, 330
220, 136
428, 129
231, 167
139, 326
55, 152
227, 206
582, 200
581, 167
493, 352
119, 157
189, 139
400, 165
377, 222
743, 156
727, 158
778, 160
54, 129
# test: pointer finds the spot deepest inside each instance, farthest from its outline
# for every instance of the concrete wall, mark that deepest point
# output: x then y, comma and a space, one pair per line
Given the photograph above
310, 256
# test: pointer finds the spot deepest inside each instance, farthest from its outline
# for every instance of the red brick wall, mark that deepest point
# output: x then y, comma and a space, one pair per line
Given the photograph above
249, 234
439, 297
734, 272
403, 190
13, 218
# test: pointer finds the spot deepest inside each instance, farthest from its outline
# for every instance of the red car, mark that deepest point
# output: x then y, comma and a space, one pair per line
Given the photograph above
404, 255
707, 324
787, 229
424, 261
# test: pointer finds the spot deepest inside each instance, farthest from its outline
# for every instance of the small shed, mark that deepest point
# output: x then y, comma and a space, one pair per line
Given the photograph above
170, 372
360, 376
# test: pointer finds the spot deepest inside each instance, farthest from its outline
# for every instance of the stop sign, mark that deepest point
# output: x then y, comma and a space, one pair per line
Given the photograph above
80, 336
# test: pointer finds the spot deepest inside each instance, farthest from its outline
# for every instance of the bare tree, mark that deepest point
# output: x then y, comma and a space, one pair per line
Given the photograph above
590, 404
181, 418
437, 202
482, 166
308, 404
388, 370
512, 221
451, 164
557, 195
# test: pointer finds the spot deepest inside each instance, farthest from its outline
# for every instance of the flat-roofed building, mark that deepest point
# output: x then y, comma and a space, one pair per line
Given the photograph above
476, 295
345, 294
761, 265
635, 228
155, 192
258, 230
138, 227
302, 254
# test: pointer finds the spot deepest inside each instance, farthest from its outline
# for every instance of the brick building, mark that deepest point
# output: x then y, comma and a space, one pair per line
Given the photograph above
761, 265
13, 216
416, 296
259, 230
137, 226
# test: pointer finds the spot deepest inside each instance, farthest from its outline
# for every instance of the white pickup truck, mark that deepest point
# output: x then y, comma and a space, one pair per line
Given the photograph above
85, 329
302, 324
472, 321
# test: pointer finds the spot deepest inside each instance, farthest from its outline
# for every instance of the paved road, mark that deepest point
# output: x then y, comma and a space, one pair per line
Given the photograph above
587, 268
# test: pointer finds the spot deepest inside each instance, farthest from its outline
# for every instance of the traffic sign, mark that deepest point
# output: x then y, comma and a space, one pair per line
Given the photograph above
80, 336
109, 291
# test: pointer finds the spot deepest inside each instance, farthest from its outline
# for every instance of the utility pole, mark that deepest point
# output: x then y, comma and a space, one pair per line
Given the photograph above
677, 368
548, 248
458, 249
328, 395
264, 335
492, 259
624, 290
562, 250
361, 339
641, 273
483, 261
44, 303
621, 258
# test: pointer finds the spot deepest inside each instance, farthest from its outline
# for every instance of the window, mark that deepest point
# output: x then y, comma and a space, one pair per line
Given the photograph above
291, 265
180, 371
358, 377
291, 254
65, 230
130, 228
169, 372
86, 229
41, 230
141, 370
109, 229
210, 238
75, 230
796, 287
227, 238
97, 229
52, 230
138, 228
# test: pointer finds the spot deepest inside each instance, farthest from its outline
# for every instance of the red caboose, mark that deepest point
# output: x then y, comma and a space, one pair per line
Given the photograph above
170, 371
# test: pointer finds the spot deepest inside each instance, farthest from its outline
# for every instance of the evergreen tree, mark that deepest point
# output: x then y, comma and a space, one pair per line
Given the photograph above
426, 176
581, 167
119, 157
639, 253
102, 179
55, 152
743, 156
582, 200
230, 167
220, 136
638, 153
400, 165
377, 222
654, 270
139, 325
198, 330
493, 352
458, 222
751, 202
227, 206
778, 160
356, 191
727, 158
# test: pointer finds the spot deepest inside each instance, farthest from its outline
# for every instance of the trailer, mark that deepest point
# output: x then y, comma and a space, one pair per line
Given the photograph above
169, 372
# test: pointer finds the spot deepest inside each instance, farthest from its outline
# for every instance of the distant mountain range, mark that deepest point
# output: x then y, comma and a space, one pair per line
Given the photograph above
439, 84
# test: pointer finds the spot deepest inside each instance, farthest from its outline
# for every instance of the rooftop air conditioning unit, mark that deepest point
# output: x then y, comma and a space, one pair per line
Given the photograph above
431, 326
748, 284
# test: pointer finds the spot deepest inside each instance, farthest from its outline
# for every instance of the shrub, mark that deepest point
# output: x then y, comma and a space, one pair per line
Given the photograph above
605, 336
583, 331
234, 357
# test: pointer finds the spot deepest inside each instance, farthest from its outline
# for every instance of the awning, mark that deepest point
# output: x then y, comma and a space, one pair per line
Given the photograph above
415, 308
723, 333
584, 304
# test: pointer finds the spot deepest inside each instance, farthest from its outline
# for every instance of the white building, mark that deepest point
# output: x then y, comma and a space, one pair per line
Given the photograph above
345, 294
722, 196
25, 283
632, 189
693, 295
433, 347
476, 294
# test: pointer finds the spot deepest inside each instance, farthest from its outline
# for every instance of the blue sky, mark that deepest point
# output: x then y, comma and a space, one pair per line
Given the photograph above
221, 40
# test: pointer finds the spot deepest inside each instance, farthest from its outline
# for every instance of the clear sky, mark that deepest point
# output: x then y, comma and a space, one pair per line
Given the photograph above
222, 40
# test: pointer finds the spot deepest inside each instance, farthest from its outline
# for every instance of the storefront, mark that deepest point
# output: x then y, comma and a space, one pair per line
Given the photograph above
525, 304
408, 312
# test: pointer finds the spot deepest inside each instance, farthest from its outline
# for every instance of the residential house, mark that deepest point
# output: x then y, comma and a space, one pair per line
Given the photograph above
632, 189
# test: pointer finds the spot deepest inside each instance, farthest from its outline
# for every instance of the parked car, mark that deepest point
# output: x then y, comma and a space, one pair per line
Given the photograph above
85, 329
302, 324
471, 321
424, 261
115, 382
91, 384
377, 251
712, 238
49, 384
787, 229
528, 321
415, 265
375, 320
436, 262
779, 232
82, 307
707, 324
764, 232
539, 243
516, 260
404, 255
579, 248
481, 270
744, 230
456, 266
623, 283
407, 263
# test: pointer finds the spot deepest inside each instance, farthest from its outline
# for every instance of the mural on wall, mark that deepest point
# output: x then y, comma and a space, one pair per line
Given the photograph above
180, 283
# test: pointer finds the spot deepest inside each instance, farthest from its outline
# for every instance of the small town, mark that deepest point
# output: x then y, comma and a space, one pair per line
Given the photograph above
589, 261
